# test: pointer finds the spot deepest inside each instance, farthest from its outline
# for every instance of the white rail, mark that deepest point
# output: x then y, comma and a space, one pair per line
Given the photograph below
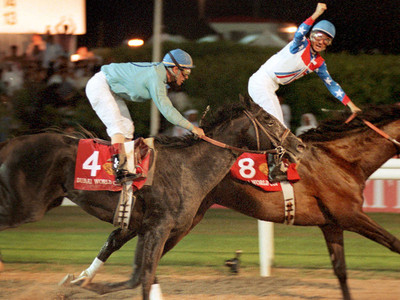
389, 170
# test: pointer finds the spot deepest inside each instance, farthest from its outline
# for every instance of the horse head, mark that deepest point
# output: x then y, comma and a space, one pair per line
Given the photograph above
249, 127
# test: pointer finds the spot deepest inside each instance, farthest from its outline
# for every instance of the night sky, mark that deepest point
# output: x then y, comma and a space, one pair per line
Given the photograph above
362, 25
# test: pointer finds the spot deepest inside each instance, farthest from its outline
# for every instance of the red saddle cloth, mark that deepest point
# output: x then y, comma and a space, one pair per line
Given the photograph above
253, 168
93, 168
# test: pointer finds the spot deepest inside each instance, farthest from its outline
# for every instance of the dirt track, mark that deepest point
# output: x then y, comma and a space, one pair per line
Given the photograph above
31, 283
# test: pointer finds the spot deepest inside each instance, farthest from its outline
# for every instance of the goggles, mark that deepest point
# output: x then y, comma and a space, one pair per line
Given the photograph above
186, 72
319, 36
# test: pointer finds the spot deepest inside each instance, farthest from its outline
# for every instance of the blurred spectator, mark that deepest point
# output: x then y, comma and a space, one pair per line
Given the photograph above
82, 73
84, 54
308, 121
36, 48
14, 55
12, 77
63, 83
65, 29
179, 98
192, 116
51, 54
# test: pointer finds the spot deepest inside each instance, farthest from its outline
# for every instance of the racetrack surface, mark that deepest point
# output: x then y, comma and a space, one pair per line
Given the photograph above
40, 282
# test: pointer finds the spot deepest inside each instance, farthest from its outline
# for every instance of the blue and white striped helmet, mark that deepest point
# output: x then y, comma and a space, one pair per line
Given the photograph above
325, 27
179, 58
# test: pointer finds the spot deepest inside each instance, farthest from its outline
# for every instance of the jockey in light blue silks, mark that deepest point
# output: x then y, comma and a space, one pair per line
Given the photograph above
137, 82
298, 58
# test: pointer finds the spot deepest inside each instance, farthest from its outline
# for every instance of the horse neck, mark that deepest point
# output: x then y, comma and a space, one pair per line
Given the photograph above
366, 151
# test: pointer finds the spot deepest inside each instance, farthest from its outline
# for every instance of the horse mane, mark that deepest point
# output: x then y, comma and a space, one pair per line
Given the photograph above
80, 133
220, 117
335, 128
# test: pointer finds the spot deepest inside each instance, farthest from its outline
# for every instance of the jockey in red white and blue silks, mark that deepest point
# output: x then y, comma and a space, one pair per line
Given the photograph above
296, 59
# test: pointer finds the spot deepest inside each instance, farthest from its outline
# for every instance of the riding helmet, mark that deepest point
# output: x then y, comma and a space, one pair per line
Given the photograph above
325, 27
179, 56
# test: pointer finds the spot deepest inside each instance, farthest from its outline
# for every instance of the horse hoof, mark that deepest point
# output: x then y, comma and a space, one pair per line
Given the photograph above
67, 280
86, 282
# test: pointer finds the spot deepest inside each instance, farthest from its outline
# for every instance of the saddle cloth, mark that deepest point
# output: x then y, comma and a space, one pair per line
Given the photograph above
93, 168
253, 168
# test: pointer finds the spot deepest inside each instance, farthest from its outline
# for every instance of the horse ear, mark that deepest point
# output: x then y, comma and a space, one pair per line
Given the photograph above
204, 115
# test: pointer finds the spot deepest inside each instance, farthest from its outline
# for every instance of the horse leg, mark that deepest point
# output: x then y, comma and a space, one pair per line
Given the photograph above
114, 242
148, 253
154, 241
334, 241
365, 226
169, 244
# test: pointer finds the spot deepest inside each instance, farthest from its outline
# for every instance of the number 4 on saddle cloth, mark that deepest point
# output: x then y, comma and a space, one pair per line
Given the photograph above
93, 169
253, 168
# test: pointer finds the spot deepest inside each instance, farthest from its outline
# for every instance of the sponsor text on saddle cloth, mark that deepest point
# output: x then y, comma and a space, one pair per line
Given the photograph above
253, 168
93, 169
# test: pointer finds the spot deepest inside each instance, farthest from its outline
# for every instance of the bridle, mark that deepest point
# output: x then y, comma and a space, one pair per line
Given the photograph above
377, 130
276, 142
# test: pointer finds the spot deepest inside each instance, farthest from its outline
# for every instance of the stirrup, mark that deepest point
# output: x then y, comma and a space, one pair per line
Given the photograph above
122, 176
277, 170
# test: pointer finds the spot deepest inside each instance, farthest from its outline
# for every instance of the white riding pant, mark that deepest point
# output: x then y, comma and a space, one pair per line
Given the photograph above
111, 109
262, 90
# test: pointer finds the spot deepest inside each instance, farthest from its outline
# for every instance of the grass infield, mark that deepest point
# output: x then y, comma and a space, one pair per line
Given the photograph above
67, 235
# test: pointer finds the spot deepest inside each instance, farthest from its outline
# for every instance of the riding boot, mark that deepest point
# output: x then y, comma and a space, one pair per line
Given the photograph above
120, 166
277, 169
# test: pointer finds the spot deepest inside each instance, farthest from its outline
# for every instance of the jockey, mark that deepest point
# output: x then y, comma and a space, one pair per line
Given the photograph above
298, 58
137, 82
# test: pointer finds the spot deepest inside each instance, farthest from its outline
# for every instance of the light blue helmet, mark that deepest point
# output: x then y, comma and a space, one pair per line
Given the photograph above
325, 27
179, 58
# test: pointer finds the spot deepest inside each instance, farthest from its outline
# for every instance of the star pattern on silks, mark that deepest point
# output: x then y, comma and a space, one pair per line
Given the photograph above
339, 93
302, 30
328, 80
301, 47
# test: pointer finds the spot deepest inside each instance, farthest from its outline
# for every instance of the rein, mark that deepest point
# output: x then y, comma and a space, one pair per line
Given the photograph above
377, 130
278, 148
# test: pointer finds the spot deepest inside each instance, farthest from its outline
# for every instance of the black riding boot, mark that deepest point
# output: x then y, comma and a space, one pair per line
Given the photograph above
277, 169
119, 163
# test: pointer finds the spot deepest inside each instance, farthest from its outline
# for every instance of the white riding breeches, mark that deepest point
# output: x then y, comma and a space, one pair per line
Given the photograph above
262, 90
111, 109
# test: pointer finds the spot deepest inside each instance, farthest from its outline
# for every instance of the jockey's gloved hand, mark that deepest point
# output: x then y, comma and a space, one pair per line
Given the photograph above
354, 109
198, 131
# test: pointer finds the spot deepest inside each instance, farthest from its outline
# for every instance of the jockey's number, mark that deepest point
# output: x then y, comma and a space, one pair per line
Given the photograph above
246, 169
92, 164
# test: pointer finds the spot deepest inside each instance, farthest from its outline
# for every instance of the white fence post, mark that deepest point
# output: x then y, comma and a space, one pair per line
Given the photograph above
266, 247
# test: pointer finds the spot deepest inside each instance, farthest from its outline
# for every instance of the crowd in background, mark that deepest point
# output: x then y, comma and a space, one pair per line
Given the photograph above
46, 63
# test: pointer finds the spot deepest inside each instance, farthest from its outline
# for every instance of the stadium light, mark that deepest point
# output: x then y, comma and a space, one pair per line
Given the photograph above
135, 43
289, 29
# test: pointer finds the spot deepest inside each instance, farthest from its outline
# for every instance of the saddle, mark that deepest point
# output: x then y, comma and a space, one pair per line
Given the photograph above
141, 150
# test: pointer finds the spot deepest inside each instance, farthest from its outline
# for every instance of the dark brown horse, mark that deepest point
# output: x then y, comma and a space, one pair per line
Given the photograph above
37, 172
337, 162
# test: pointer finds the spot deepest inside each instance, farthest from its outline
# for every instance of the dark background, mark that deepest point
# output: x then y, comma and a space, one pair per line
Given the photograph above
362, 25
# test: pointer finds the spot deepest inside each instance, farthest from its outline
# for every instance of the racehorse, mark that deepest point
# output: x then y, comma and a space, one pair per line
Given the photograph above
338, 159
37, 172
